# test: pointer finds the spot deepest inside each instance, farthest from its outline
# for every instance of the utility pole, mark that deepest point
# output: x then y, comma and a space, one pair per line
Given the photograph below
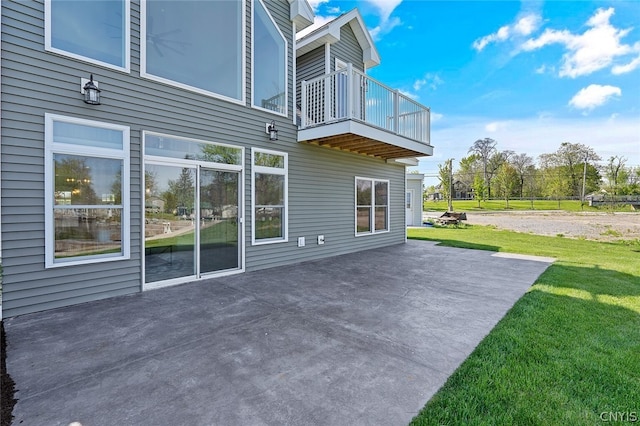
450, 204
584, 181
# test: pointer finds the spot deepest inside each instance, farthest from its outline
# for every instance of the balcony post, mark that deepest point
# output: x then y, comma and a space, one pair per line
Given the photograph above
350, 84
396, 111
303, 106
328, 83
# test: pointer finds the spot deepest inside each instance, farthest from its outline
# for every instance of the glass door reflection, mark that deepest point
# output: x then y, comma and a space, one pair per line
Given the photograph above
170, 197
219, 230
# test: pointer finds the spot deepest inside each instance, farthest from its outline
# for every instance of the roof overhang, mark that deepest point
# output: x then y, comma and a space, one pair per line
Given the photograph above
301, 13
330, 33
354, 136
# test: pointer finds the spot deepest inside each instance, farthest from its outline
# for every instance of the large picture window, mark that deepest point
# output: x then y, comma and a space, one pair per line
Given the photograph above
196, 45
95, 31
87, 191
269, 62
270, 204
372, 206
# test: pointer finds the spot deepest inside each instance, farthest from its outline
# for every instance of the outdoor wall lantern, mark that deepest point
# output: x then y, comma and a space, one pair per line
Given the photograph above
272, 131
90, 90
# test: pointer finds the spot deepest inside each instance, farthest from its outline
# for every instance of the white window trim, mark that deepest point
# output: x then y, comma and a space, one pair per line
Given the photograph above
170, 161
49, 183
276, 171
145, 74
372, 223
127, 41
286, 61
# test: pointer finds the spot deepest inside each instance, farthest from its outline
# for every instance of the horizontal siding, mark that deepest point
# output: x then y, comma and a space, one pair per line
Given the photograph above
347, 49
310, 65
35, 82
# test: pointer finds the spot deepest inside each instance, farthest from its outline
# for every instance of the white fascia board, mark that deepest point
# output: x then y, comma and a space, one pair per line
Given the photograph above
301, 13
410, 161
357, 128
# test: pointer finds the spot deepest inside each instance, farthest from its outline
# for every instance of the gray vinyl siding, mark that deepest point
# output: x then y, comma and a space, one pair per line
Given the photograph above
347, 49
309, 66
322, 202
35, 82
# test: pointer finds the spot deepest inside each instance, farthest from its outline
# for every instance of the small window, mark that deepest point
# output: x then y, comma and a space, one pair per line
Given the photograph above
270, 204
269, 62
87, 196
372, 206
196, 45
94, 31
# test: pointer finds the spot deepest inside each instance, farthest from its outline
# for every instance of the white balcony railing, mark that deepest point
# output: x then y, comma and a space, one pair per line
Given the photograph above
348, 94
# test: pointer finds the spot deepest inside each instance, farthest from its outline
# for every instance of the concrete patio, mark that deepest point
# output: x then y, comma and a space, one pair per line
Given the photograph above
359, 339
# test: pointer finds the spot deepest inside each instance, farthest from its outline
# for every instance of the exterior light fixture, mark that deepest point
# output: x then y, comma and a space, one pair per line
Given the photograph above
90, 91
271, 130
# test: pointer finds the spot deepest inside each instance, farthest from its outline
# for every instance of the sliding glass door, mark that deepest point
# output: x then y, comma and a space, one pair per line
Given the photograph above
191, 221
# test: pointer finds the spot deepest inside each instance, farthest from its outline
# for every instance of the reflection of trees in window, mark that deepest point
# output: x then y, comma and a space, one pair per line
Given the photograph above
221, 154
116, 189
73, 178
181, 191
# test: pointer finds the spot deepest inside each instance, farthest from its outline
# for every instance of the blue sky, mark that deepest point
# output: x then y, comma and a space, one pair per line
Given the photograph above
528, 74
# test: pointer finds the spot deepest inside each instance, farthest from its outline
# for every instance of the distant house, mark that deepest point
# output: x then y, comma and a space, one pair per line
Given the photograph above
461, 191
218, 143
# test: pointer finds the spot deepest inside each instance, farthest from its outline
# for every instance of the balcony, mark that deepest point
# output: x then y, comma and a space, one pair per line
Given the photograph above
350, 111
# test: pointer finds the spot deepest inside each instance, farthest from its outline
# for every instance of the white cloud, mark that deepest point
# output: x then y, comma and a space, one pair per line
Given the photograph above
635, 63
494, 126
408, 94
593, 96
432, 81
315, 4
436, 117
387, 23
522, 27
593, 50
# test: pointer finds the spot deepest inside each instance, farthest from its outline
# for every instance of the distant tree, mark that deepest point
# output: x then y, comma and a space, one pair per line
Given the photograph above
444, 175
532, 184
479, 189
484, 149
522, 163
615, 173
468, 168
506, 181
496, 161
570, 160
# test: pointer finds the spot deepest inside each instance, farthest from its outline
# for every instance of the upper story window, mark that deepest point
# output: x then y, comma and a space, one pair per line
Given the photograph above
87, 191
197, 45
93, 31
269, 62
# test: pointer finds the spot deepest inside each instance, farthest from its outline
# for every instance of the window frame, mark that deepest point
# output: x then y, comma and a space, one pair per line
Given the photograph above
286, 61
127, 41
52, 148
372, 207
275, 171
243, 55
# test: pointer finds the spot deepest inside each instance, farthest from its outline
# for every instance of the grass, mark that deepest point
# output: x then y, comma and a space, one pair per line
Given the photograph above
567, 352
496, 205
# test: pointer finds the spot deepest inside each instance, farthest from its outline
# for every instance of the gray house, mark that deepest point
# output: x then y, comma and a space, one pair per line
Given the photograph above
146, 144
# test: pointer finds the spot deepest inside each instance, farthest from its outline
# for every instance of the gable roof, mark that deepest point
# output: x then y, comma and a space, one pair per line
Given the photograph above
301, 13
330, 33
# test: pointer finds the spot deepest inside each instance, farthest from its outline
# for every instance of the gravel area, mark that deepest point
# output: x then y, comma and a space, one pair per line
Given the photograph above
591, 226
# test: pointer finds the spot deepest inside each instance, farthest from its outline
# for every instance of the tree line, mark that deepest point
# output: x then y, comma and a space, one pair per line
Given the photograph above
573, 170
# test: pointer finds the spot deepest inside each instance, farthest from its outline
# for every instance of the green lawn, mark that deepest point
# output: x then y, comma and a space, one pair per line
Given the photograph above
569, 349
489, 205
